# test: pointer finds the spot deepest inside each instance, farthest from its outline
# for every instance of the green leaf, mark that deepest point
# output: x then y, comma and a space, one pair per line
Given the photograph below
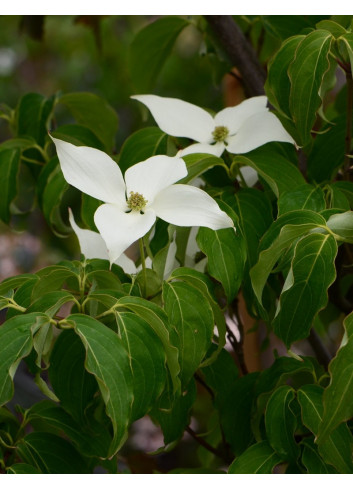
141, 145
226, 258
51, 278
201, 282
16, 343
284, 26
304, 293
33, 114
191, 314
338, 396
12, 283
277, 85
150, 49
255, 217
327, 152
306, 74
158, 320
278, 238
346, 188
91, 440
51, 188
257, 459
22, 469
147, 360
71, 382
312, 459
51, 454
51, 302
304, 197
337, 448
95, 113
173, 413
9, 167
333, 27
281, 423
78, 135
274, 168
108, 361
342, 225
197, 164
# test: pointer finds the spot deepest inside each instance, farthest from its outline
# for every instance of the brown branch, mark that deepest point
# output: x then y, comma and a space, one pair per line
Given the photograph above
322, 354
240, 52
208, 447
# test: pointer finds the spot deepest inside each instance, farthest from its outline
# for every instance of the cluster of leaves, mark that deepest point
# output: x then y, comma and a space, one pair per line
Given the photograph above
107, 348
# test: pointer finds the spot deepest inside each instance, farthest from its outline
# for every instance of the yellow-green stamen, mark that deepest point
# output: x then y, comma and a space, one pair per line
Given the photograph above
136, 201
220, 133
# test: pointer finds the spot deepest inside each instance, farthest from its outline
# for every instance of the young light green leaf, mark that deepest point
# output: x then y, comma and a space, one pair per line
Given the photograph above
338, 396
191, 314
304, 293
95, 113
281, 423
147, 360
278, 238
337, 448
342, 225
150, 49
226, 257
16, 343
108, 361
257, 459
306, 73
9, 167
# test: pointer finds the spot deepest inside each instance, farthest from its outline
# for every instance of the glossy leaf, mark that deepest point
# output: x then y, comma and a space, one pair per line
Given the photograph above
197, 164
277, 85
281, 423
9, 167
191, 315
95, 113
338, 397
71, 382
16, 343
226, 258
257, 459
304, 293
337, 448
147, 360
51, 454
277, 171
108, 361
278, 238
141, 145
304, 197
158, 320
150, 49
306, 74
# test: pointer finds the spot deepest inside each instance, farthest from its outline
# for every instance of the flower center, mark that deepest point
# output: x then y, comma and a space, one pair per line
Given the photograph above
220, 133
136, 201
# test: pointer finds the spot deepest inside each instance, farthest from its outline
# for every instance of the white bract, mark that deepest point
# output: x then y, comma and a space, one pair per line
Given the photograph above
238, 129
149, 191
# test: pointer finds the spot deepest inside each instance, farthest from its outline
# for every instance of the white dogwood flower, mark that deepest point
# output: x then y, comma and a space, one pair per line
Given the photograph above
132, 206
93, 246
238, 129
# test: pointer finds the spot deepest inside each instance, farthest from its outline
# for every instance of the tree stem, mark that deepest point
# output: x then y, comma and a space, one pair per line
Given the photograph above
347, 162
240, 52
206, 445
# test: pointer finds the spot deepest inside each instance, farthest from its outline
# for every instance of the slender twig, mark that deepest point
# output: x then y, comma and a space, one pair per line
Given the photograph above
238, 350
203, 383
206, 445
348, 138
240, 52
